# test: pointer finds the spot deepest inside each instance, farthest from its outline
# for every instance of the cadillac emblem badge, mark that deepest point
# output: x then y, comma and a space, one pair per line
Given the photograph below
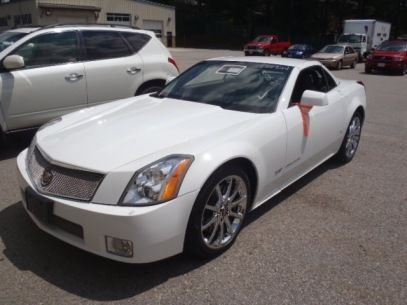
46, 177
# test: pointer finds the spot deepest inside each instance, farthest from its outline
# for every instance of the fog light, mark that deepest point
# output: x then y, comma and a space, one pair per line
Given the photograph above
119, 246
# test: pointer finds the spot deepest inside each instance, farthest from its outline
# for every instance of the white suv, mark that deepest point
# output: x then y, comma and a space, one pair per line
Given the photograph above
58, 69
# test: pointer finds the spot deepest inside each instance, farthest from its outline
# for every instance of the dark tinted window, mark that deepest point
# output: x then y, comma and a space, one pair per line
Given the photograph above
49, 49
8, 38
136, 40
104, 44
310, 79
330, 81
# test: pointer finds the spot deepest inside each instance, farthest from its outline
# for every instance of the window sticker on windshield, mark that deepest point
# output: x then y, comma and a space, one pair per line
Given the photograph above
231, 69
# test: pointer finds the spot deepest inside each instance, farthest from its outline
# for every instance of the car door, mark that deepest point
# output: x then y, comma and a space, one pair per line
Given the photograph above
113, 71
51, 83
349, 57
313, 134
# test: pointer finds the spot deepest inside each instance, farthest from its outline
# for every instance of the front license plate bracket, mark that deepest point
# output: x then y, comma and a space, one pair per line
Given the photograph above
42, 208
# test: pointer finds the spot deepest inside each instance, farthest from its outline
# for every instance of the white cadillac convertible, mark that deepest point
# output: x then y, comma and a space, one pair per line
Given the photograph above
148, 177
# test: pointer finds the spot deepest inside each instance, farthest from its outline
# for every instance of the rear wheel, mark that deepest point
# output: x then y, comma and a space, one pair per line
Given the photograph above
267, 53
150, 87
218, 213
351, 140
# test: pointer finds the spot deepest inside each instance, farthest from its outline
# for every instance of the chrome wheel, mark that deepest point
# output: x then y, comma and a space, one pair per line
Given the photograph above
353, 137
224, 211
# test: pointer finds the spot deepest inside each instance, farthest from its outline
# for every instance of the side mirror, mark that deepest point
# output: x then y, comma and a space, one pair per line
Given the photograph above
170, 79
13, 62
314, 98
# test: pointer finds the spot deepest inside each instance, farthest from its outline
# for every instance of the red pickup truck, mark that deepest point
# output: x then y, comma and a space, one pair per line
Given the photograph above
266, 45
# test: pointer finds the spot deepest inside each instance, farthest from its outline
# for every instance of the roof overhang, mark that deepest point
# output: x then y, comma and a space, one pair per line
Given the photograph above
69, 6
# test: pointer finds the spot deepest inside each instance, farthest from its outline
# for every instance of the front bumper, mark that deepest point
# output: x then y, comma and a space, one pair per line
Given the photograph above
330, 63
385, 65
256, 51
156, 232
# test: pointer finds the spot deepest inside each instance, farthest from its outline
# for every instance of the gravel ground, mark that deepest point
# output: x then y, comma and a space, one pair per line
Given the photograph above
337, 236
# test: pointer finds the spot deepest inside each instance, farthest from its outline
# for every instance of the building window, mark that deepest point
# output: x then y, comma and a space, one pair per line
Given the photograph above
118, 18
3, 21
22, 19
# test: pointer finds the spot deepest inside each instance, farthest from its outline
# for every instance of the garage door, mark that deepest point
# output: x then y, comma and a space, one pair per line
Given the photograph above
72, 20
154, 25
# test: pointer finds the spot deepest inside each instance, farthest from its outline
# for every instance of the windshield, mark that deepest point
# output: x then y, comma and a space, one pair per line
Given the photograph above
350, 38
393, 46
262, 39
301, 47
332, 49
8, 38
241, 86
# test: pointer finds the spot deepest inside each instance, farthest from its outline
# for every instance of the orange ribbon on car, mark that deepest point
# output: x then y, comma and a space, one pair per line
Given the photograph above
305, 109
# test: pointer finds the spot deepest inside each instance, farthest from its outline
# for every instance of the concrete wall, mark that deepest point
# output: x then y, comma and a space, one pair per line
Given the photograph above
45, 12
9, 10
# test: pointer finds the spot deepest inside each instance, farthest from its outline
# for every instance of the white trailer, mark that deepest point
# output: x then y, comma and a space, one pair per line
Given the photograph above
364, 34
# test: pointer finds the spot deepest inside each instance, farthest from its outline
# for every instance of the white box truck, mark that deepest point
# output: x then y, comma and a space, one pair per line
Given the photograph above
364, 34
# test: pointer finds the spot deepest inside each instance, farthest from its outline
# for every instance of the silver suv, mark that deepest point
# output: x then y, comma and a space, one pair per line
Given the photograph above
53, 70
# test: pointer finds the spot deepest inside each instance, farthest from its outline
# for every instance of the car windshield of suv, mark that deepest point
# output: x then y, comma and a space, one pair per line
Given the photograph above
262, 39
241, 86
301, 47
8, 38
332, 49
350, 38
393, 46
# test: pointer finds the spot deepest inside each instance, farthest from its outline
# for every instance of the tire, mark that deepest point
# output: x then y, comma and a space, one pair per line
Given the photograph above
246, 53
267, 53
353, 65
368, 70
150, 87
216, 219
351, 140
339, 65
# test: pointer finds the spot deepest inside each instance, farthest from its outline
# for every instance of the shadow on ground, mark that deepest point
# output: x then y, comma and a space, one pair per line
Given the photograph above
93, 277
11, 145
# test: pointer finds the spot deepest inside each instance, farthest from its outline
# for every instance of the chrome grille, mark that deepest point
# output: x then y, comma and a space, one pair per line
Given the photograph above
61, 181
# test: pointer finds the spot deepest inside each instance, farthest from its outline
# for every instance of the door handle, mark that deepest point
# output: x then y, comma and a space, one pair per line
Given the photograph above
133, 70
73, 77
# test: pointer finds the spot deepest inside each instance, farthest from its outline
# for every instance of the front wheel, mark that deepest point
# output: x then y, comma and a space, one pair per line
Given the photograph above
339, 65
351, 140
267, 53
218, 213
353, 65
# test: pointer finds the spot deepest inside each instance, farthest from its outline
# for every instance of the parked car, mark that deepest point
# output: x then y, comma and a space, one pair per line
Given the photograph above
58, 69
266, 45
389, 56
7, 38
299, 51
336, 56
189, 161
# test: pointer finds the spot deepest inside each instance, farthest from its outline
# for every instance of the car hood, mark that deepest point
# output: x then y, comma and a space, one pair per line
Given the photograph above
295, 51
256, 44
327, 55
387, 53
106, 137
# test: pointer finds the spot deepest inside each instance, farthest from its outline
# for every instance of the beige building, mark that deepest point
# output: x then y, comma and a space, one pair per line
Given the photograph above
137, 13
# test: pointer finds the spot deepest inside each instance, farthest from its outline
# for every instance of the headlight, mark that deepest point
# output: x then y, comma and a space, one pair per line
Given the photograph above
49, 123
157, 182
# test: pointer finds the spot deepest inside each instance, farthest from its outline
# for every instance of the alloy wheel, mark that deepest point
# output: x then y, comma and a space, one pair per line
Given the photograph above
224, 212
353, 137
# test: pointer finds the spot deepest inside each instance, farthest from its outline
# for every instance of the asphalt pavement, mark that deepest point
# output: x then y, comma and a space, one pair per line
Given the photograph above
337, 236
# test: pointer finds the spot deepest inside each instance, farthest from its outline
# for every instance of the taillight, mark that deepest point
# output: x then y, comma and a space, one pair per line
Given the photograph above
172, 61
360, 83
